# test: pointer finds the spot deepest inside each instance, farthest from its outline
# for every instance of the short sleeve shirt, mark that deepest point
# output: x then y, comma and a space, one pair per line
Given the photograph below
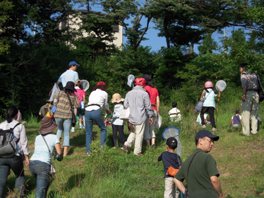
153, 93
249, 80
64, 106
68, 75
202, 168
41, 152
80, 94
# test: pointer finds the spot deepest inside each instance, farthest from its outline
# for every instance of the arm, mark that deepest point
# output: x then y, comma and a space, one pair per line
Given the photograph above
158, 103
24, 147
216, 183
59, 155
244, 94
57, 82
179, 185
219, 94
202, 96
231, 122
26, 161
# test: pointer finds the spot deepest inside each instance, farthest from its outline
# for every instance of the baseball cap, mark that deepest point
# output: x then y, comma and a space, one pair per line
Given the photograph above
206, 133
237, 111
73, 63
172, 142
101, 83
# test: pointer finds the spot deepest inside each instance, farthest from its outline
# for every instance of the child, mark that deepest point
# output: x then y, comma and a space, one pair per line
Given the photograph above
199, 121
174, 113
236, 119
80, 93
208, 98
169, 158
118, 124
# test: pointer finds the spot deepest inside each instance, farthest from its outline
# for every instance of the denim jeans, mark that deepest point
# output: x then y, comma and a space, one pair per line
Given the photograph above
90, 116
16, 164
66, 124
40, 171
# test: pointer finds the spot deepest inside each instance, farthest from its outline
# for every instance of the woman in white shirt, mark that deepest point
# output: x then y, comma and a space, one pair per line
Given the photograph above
97, 100
15, 161
40, 162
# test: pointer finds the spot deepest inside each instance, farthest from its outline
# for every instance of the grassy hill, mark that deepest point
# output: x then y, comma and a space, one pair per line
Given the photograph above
112, 173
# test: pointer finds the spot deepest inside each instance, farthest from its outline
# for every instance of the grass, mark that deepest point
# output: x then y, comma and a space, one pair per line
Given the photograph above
112, 173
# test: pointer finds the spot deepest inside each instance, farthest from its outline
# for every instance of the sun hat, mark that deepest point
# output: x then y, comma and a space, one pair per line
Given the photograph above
47, 126
140, 81
206, 133
208, 84
70, 86
73, 63
117, 98
101, 83
172, 142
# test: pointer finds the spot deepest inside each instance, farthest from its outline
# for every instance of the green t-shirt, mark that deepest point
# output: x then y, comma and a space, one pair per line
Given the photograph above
202, 168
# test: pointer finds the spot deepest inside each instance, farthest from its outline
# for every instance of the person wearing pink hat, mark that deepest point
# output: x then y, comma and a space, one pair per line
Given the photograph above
93, 112
208, 98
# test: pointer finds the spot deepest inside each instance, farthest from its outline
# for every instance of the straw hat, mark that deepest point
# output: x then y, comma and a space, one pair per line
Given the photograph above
117, 98
47, 126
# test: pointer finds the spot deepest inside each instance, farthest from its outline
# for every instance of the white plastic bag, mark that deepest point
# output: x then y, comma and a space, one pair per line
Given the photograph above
125, 113
158, 122
55, 90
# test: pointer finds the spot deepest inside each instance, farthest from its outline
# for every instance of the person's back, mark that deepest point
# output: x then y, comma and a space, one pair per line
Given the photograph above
236, 119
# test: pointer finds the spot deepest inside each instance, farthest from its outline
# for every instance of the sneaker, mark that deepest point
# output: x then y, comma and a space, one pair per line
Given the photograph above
153, 146
81, 127
72, 130
139, 155
88, 154
214, 129
125, 149
203, 126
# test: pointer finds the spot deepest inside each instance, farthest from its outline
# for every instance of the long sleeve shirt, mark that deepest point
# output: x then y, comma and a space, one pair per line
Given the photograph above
139, 103
98, 97
19, 133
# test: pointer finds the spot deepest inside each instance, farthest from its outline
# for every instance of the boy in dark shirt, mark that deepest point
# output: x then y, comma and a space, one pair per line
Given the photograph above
169, 158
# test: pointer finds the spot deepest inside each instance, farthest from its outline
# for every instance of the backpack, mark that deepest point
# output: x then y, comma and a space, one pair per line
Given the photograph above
260, 91
8, 144
48, 112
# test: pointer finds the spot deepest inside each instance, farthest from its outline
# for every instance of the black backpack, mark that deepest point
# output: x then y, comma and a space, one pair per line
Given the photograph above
8, 144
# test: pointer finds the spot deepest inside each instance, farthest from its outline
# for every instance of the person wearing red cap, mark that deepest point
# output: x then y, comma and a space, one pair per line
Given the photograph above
93, 112
140, 109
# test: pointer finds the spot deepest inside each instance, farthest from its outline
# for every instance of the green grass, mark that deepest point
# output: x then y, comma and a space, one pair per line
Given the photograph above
112, 173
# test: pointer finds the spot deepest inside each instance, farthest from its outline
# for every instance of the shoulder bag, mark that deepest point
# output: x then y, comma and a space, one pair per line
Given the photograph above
172, 171
52, 168
186, 194
73, 114
125, 113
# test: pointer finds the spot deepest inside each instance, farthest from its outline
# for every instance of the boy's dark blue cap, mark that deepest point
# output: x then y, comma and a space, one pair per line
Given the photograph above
73, 63
206, 133
237, 111
171, 141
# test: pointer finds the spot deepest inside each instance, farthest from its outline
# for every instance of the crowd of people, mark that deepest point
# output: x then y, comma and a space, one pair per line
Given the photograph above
143, 104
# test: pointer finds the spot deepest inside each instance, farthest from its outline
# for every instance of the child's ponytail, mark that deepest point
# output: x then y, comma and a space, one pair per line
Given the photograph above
11, 113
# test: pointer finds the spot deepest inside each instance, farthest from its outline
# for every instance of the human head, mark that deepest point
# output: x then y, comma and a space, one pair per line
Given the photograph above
204, 140
208, 84
172, 143
148, 80
237, 112
69, 88
174, 104
100, 85
11, 113
78, 83
242, 67
47, 126
73, 65
116, 98
140, 82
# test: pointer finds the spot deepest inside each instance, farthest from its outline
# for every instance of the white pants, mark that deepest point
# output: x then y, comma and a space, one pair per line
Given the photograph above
171, 190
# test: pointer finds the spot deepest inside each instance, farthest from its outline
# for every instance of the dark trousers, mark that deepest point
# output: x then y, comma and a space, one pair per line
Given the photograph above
210, 110
120, 129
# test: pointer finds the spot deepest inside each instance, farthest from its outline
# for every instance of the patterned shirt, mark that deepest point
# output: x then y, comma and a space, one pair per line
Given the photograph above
249, 80
64, 106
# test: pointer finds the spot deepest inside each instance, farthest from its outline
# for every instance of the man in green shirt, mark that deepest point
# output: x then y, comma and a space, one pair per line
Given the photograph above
202, 177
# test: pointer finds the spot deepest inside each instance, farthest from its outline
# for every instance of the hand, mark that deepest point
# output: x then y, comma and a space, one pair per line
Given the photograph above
243, 98
201, 99
151, 121
105, 121
27, 162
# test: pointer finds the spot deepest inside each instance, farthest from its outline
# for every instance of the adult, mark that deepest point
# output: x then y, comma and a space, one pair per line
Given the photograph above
63, 114
40, 161
69, 75
250, 100
14, 162
149, 133
93, 112
208, 98
140, 109
199, 169
44, 109
80, 93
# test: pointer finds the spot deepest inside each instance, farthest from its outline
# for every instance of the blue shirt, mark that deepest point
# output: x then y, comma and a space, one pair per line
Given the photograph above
69, 75
41, 152
209, 98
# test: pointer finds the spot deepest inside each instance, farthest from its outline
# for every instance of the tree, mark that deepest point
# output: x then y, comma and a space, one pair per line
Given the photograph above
208, 45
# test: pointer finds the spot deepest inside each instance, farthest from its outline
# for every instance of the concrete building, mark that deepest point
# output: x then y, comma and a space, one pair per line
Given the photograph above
75, 22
